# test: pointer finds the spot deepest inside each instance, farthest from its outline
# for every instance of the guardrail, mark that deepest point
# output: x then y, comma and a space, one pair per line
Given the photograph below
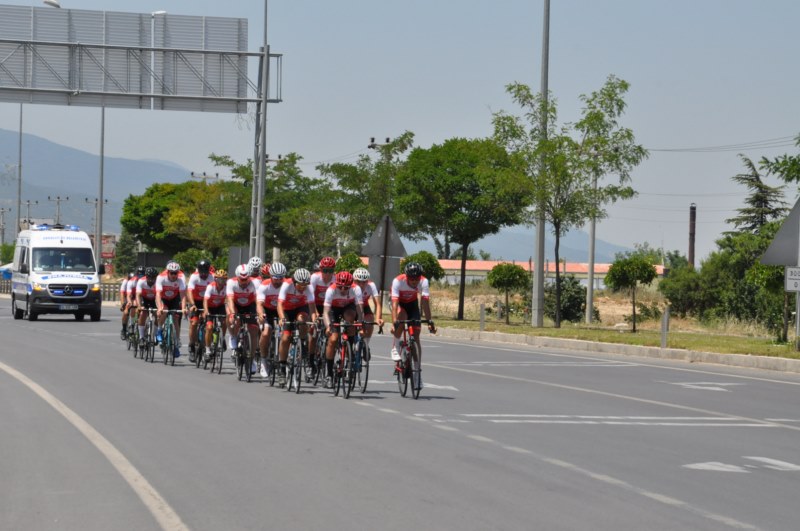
109, 290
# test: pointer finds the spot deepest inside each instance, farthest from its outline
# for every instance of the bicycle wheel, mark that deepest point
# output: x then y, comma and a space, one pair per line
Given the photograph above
299, 371
348, 371
337, 374
416, 370
401, 371
363, 375
248, 358
174, 340
219, 352
319, 359
272, 359
199, 346
165, 343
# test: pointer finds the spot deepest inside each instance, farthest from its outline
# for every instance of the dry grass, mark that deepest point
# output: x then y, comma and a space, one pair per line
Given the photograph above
724, 336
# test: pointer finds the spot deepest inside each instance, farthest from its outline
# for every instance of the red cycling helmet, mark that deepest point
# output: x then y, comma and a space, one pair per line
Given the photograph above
327, 263
265, 270
344, 279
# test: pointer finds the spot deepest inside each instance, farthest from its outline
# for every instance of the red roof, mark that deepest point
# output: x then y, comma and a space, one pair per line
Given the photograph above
575, 268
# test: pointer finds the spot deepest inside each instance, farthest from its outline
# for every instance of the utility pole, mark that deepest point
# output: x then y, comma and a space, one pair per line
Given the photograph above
95, 202
692, 223
537, 298
3, 225
205, 177
27, 219
57, 200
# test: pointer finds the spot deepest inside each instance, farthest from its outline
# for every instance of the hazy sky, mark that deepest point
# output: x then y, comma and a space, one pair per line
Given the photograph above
703, 74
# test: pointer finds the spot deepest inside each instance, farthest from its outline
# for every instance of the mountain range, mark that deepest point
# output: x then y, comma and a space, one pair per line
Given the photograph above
54, 170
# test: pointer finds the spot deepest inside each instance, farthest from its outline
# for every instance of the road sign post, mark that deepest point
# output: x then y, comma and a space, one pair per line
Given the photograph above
384, 250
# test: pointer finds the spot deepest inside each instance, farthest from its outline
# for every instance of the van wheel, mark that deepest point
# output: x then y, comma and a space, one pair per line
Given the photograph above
79, 316
18, 312
31, 315
94, 316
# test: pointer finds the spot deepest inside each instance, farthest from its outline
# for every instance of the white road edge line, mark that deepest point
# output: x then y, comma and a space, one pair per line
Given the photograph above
166, 517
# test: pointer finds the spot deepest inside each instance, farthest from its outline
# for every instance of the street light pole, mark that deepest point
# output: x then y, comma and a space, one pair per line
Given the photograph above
3, 225
19, 175
28, 204
590, 272
537, 299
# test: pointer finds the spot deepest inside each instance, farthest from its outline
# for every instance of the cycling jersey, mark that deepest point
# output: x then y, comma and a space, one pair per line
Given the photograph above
147, 291
291, 298
319, 286
123, 290
214, 296
268, 294
335, 298
404, 293
130, 289
368, 291
197, 286
170, 289
241, 296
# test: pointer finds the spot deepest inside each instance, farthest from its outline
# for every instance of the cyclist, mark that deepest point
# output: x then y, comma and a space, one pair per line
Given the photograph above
131, 292
240, 293
343, 300
407, 291
295, 303
370, 293
146, 295
214, 304
195, 290
171, 295
254, 267
267, 305
124, 304
320, 281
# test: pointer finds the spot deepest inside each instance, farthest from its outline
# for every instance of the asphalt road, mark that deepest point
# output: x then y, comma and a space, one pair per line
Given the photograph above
502, 437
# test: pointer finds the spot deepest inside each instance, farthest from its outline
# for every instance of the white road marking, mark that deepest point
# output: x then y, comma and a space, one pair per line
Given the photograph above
426, 385
540, 363
480, 438
166, 517
716, 466
613, 420
774, 464
705, 386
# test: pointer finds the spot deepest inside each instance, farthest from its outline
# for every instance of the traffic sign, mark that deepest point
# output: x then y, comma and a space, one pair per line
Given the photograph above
792, 279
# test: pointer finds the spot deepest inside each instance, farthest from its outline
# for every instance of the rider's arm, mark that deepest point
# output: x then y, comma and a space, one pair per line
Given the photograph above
328, 315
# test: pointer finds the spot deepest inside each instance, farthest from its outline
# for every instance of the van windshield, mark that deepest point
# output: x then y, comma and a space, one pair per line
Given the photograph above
63, 259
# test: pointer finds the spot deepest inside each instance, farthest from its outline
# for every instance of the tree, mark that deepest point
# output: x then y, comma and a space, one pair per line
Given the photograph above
464, 189
506, 278
349, 262
365, 191
787, 167
6, 253
125, 253
144, 217
764, 203
627, 273
572, 301
566, 164
430, 265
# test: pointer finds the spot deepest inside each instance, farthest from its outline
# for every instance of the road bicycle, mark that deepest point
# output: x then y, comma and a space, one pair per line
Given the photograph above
147, 344
361, 358
243, 353
200, 344
169, 338
316, 367
344, 373
132, 333
297, 359
270, 357
408, 369
215, 354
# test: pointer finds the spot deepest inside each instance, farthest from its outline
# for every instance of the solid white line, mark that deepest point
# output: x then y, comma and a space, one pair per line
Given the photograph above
480, 438
166, 517
775, 464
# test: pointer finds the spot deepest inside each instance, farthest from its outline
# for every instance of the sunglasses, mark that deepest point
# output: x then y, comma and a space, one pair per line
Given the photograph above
327, 270
278, 278
172, 273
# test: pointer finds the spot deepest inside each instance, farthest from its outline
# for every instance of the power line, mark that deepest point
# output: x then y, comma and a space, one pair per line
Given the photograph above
783, 141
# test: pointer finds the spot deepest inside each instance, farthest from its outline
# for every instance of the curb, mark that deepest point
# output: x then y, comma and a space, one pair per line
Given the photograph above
734, 360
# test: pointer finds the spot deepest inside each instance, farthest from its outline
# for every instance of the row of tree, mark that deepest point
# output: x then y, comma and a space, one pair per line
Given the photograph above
454, 193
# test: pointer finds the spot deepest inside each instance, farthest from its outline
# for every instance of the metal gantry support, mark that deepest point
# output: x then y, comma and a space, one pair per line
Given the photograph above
96, 203
3, 225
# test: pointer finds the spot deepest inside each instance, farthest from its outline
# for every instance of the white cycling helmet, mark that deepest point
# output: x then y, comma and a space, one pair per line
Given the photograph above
277, 269
361, 274
173, 266
254, 265
241, 272
302, 276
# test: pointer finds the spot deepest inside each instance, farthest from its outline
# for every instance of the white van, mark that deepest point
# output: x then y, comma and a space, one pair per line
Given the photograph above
55, 271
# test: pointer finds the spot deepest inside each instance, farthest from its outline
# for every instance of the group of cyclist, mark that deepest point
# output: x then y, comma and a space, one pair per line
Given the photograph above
262, 296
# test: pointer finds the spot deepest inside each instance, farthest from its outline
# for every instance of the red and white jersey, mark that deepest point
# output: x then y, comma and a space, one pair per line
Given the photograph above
169, 289
368, 291
130, 289
123, 289
214, 296
198, 286
319, 287
268, 294
241, 296
147, 291
292, 298
404, 293
335, 298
